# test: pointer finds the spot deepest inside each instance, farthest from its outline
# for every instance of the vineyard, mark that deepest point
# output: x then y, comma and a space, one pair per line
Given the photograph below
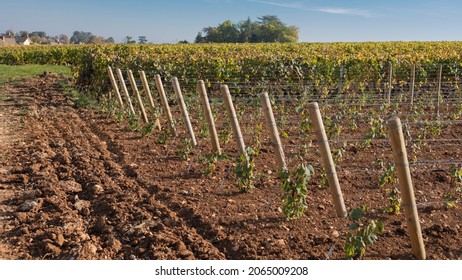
268, 151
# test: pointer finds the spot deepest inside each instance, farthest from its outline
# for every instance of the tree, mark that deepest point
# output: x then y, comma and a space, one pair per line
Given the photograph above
266, 29
81, 37
9, 33
110, 40
248, 31
23, 34
274, 30
39, 34
142, 40
200, 38
94, 39
63, 39
129, 40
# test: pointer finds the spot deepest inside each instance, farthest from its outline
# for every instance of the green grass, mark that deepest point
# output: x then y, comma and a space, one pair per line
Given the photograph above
8, 72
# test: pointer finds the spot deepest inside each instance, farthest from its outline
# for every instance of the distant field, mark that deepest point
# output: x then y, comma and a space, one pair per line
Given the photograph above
8, 72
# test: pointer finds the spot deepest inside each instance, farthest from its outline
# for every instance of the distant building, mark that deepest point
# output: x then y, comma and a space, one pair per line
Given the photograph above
7, 41
24, 41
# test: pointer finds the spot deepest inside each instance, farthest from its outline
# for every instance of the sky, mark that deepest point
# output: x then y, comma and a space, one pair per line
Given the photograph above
170, 21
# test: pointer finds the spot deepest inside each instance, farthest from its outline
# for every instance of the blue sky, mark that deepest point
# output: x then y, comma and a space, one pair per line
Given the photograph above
172, 20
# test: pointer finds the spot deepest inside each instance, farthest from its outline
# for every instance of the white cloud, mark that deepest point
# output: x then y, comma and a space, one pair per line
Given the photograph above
344, 11
292, 5
327, 10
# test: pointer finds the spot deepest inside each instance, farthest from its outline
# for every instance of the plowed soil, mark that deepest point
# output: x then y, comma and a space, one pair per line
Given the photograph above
76, 184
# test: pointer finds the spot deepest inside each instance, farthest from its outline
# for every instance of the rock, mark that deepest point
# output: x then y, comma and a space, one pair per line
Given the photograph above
60, 239
180, 246
31, 205
169, 222
235, 248
64, 158
281, 242
184, 192
114, 244
82, 206
100, 225
21, 216
23, 230
335, 234
89, 250
84, 236
52, 249
70, 186
97, 189
321, 207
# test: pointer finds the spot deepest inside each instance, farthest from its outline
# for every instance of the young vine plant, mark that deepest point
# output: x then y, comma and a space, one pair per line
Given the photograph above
245, 171
295, 191
455, 188
362, 233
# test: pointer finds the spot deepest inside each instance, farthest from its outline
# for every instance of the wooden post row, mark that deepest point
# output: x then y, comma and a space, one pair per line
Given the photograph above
147, 90
163, 98
234, 121
390, 80
340, 79
131, 78
152, 104
184, 110
274, 133
125, 90
412, 84
115, 87
209, 117
405, 184
438, 104
328, 162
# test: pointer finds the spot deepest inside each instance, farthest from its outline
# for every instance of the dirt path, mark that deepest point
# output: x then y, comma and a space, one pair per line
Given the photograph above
70, 195
11, 138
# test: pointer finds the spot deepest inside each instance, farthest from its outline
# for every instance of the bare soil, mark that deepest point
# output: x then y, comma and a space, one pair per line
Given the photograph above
76, 184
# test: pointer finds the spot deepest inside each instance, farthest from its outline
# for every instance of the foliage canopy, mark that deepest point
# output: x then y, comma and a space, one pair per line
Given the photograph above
267, 29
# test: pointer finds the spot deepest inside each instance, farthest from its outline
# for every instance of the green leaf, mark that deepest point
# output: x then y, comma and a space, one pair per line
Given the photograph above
353, 226
356, 214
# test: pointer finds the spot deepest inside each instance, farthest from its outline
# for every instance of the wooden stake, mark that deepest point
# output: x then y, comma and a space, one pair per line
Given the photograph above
209, 117
163, 98
405, 184
340, 79
412, 85
152, 104
234, 121
329, 166
184, 110
125, 90
390, 80
440, 74
137, 95
115, 87
274, 133
147, 90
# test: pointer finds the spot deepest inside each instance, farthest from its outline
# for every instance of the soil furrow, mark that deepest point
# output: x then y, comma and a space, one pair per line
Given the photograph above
91, 202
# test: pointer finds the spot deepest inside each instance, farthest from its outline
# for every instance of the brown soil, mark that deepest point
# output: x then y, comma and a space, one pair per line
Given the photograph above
76, 184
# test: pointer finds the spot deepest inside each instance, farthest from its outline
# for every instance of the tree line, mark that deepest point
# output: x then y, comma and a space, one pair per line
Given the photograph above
266, 29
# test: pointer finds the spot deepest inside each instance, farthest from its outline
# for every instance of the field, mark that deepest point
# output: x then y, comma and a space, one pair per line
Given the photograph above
82, 179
